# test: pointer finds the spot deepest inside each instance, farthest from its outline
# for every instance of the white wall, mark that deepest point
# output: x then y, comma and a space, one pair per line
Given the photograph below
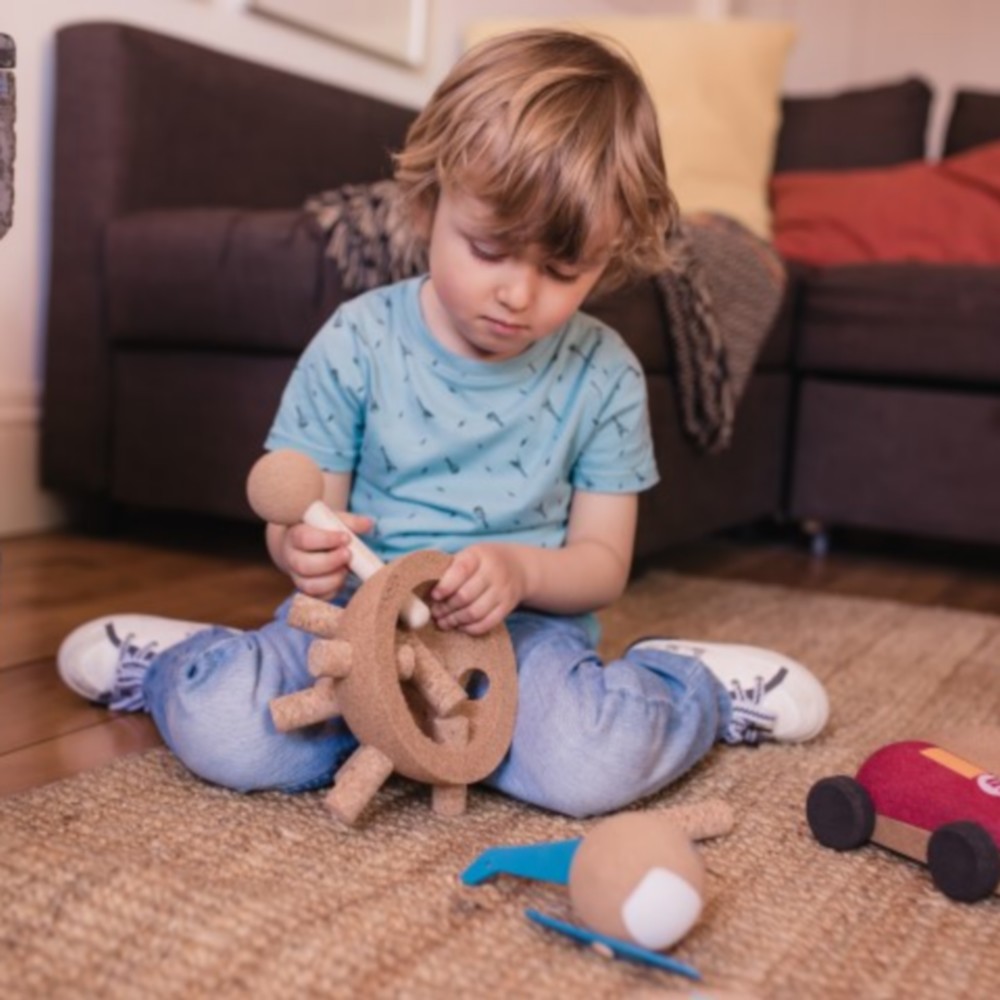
953, 43
850, 41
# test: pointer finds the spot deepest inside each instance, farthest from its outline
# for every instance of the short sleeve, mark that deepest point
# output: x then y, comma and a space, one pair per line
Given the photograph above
617, 454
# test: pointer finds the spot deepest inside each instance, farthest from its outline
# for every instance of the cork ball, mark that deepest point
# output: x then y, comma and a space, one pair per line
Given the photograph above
637, 877
282, 485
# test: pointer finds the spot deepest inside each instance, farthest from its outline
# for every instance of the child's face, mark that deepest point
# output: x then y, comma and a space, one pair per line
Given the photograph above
482, 300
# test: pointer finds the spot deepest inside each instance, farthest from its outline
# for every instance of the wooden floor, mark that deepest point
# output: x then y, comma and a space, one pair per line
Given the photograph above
51, 583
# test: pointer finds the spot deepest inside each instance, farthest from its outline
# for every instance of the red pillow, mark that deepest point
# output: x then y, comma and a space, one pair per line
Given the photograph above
937, 212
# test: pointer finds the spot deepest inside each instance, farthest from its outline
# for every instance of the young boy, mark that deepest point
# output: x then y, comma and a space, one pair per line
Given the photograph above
476, 410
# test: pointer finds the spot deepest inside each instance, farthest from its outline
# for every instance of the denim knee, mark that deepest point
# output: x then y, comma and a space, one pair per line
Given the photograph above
593, 738
612, 759
210, 695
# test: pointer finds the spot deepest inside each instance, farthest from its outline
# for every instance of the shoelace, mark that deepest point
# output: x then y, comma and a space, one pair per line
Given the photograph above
750, 722
133, 662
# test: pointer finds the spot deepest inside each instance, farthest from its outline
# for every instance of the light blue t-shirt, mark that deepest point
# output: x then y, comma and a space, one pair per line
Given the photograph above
446, 451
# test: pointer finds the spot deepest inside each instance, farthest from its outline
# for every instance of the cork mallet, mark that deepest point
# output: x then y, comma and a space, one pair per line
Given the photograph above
286, 487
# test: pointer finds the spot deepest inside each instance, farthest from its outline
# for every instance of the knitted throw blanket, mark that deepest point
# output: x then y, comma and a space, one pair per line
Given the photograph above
721, 294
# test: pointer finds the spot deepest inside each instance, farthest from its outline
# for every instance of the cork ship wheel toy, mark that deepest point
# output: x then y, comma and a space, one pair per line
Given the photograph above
435, 706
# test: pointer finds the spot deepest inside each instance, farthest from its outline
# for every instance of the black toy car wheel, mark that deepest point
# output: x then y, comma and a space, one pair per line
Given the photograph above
840, 813
964, 861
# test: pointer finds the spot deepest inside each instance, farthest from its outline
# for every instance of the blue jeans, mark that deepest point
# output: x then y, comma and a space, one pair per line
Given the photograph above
589, 738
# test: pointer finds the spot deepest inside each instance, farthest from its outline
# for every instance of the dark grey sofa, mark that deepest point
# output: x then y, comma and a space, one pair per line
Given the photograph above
896, 364
898, 380
186, 278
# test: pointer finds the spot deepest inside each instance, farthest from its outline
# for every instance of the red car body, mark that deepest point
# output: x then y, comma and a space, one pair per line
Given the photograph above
926, 786
921, 800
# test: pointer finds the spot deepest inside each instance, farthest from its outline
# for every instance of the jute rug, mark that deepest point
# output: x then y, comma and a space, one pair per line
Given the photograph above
140, 881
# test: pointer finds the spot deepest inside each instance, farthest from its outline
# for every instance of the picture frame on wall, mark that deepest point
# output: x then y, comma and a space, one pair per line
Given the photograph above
393, 29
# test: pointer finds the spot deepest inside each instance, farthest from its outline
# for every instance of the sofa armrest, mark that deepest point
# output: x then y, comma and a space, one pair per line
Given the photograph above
143, 121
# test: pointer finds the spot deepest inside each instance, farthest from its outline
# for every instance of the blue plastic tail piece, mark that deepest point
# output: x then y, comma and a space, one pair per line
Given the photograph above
541, 862
620, 949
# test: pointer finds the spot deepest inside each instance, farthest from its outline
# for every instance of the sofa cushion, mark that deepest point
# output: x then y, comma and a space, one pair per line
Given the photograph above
917, 321
946, 212
222, 279
863, 127
219, 279
975, 120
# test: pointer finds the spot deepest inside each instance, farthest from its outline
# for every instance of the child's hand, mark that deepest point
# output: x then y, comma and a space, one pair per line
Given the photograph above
315, 559
483, 584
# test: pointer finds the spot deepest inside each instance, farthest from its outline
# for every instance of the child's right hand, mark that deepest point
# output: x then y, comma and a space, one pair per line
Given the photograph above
316, 559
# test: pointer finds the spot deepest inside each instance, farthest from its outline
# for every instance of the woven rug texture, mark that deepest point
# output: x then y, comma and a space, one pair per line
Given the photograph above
139, 880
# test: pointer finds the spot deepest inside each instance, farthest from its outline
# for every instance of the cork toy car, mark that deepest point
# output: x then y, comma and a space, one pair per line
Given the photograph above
930, 803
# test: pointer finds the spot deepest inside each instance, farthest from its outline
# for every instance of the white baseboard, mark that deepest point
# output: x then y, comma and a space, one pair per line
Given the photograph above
24, 507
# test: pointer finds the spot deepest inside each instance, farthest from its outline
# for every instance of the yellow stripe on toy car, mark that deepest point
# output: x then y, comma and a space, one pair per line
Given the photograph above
952, 762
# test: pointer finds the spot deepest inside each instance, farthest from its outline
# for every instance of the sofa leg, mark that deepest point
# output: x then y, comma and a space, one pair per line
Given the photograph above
819, 537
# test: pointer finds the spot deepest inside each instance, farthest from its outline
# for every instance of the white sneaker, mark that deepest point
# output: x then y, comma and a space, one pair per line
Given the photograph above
773, 696
110, 655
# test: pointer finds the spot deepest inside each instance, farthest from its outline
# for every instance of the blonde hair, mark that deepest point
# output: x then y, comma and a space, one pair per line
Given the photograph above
557, 134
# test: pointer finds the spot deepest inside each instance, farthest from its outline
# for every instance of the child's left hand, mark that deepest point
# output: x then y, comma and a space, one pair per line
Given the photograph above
483, 584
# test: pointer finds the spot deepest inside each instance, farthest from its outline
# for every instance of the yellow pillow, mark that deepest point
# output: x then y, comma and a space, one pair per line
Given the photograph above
717, 90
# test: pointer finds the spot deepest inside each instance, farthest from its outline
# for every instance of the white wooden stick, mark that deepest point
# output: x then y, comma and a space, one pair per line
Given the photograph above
363, 562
